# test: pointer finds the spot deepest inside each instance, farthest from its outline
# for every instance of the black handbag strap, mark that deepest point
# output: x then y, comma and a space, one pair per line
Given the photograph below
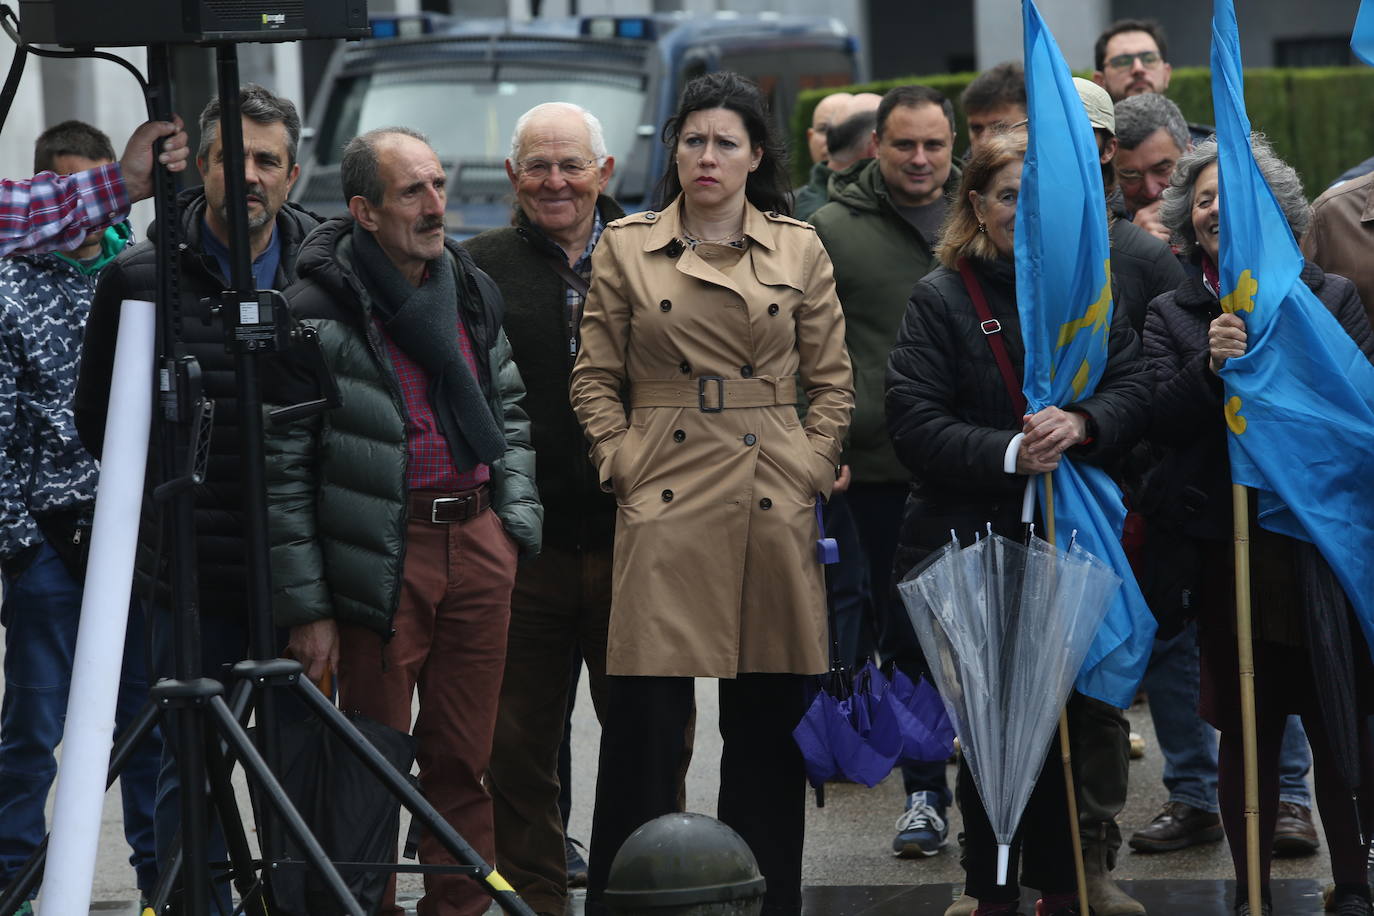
992, 330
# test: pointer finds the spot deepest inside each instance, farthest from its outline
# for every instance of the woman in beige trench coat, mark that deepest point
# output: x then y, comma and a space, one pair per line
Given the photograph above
700, 319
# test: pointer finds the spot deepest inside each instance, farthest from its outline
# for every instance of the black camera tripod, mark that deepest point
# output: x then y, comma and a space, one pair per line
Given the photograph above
209, 733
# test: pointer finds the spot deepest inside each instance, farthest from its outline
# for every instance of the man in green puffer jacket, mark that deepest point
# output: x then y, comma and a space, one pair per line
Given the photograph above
397, 517
880, 229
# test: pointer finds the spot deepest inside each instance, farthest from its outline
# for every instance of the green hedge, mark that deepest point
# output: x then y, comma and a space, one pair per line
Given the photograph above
1320, 120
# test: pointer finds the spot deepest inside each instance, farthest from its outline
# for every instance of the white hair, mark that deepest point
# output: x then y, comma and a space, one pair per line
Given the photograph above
594, 134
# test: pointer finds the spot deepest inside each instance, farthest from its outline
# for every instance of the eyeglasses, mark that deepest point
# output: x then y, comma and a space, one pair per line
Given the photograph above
570, 168
1162, 171
1147, 59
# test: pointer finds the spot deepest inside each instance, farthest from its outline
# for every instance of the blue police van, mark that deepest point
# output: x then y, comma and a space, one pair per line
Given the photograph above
465, 82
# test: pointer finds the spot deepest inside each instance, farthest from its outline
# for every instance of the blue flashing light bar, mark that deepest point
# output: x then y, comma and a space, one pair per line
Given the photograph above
401, 26
637, 27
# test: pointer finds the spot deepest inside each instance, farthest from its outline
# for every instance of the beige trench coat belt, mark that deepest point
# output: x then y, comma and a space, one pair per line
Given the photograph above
713, 393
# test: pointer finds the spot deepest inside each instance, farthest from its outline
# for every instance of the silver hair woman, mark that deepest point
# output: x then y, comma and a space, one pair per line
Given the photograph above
1176, 210
1189, 339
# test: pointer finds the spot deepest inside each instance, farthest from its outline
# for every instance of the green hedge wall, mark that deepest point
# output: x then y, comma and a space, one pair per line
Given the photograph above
1320, 120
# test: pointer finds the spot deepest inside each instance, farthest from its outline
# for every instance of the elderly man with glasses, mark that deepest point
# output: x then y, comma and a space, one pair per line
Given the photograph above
559, 169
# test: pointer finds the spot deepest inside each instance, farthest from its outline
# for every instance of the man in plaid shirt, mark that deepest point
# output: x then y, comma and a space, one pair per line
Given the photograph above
559, 168
51, 212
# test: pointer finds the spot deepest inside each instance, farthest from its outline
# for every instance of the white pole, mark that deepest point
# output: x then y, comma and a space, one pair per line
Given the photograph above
104, 614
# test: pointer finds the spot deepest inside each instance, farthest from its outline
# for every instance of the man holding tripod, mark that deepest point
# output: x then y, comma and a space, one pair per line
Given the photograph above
271, 133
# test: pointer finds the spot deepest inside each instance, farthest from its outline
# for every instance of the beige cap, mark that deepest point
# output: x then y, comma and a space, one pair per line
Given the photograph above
1101, 112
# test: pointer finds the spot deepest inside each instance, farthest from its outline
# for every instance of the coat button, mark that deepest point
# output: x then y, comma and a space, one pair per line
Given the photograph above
679, 435
667, 496
651, 216
773, 309
684, 368
665, 306
673, 249
765, 503
750, 438
746, 371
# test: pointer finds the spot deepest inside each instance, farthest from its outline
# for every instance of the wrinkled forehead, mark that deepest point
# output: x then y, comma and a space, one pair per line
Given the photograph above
403, 160
556, 135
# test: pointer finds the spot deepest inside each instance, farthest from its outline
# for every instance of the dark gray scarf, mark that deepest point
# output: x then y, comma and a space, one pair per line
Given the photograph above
423, 322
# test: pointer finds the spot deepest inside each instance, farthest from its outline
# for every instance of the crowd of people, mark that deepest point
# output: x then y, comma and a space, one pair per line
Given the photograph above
612, 440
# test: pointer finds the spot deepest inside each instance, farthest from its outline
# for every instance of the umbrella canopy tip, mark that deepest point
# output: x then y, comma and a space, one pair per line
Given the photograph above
1003, 859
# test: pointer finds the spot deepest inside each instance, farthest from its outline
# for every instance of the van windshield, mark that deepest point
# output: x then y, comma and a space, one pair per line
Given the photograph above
471, 120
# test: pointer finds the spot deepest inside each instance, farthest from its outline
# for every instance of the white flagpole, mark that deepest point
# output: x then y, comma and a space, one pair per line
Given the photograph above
88, 737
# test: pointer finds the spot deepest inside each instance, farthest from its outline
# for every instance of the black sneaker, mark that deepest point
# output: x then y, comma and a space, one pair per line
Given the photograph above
577, 863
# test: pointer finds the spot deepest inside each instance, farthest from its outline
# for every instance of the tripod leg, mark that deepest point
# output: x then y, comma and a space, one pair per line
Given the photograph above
490, 879
32, 872
195, 822
272, 791
240, 855
166, 878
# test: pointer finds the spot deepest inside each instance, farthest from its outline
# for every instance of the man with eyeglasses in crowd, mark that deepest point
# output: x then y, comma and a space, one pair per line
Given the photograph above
1151, 135
1131, 57
559, 168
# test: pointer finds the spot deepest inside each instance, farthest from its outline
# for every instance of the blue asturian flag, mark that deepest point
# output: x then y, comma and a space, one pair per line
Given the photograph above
1362, 39
1064, 296
1300, 402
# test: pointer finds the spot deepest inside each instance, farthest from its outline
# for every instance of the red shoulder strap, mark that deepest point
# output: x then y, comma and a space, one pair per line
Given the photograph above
992, 330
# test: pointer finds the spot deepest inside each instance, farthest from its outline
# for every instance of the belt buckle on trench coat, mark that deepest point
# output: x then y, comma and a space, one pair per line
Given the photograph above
720, 393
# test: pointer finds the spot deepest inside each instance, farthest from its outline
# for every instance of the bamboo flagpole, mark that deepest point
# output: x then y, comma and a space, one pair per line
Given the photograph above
1240, 501
1065, 756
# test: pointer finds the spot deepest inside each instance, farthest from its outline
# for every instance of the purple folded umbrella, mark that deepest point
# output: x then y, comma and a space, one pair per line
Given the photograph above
865, 733
924, 703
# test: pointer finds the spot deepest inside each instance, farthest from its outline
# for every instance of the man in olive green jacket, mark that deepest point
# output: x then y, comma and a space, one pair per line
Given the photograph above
880, 229
397, 517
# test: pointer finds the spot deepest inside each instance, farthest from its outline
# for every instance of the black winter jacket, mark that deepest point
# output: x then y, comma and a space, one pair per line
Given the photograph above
220, 562
577, 513
952, 419
1191, 491
1143, 267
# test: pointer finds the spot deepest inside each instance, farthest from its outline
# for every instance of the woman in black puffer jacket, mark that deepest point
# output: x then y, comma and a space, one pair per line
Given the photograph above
970, 449
1188, 339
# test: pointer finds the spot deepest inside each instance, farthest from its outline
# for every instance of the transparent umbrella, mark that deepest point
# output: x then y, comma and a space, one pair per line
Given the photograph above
1005, 628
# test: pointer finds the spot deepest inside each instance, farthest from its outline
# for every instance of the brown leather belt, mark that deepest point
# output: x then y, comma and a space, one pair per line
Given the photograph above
713, 393
446, 508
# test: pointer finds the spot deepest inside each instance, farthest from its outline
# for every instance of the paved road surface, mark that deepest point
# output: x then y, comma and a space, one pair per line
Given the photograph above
847, 840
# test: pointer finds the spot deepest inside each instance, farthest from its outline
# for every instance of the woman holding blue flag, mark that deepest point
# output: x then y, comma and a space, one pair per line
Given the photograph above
1295, 598
958, 421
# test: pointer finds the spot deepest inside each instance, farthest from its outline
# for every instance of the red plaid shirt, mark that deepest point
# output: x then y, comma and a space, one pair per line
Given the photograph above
55, 212
431, 462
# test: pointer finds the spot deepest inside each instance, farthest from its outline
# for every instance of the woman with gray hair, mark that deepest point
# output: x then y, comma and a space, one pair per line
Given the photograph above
1189, 339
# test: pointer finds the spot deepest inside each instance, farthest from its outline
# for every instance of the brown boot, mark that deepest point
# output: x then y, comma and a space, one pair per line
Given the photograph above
1105, 898
964, 906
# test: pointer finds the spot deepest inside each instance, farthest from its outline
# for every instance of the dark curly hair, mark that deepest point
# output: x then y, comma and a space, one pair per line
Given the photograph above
767, 186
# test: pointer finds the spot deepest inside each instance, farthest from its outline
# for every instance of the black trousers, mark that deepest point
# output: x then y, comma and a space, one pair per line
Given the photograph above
762, 781
1046, 862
